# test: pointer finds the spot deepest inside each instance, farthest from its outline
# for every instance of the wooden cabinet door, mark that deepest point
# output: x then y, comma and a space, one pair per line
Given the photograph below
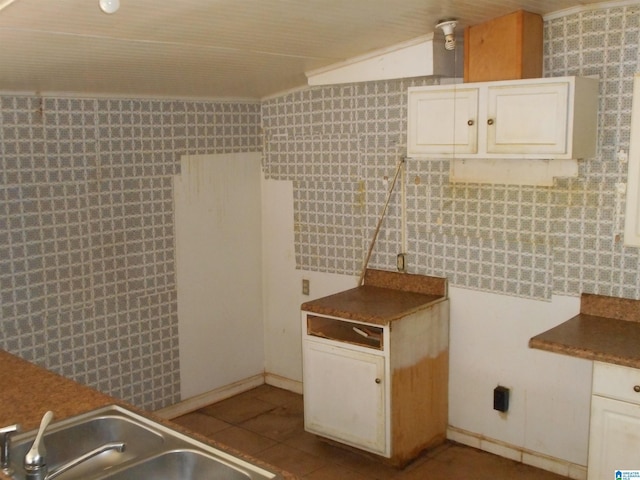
443, 121
344, 395
614, 440
528, 118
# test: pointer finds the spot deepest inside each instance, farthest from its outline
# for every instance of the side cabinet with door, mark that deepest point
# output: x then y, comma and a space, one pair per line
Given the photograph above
614, 438
381, 388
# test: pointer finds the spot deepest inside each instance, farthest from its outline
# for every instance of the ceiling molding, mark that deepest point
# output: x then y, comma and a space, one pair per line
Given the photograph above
586, 8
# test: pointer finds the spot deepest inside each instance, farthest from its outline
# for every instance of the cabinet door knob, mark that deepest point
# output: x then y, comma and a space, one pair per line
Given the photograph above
636, 389
380, 381
470, 123
490, 121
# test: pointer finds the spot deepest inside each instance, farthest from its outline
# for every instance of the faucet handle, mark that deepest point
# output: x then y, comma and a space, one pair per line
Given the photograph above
35, 459
5, 446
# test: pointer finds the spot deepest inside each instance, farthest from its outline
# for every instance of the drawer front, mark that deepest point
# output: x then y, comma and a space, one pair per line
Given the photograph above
615, 381
347, 332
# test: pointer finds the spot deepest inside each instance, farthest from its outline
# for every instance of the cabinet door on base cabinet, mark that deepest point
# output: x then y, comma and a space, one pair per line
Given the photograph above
614, 439
344, 395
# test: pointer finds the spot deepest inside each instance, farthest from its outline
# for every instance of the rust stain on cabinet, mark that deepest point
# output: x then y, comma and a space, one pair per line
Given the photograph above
419, 407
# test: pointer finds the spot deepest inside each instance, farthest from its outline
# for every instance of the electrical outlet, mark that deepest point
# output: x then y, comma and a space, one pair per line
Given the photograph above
401, 263
501, 399
305, 286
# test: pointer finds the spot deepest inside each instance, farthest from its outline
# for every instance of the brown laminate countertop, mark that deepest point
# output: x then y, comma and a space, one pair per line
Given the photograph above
27, 391
384, 298
606, 330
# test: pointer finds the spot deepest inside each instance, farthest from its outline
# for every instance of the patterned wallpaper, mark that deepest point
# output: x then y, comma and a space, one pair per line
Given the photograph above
340, 145
87, 274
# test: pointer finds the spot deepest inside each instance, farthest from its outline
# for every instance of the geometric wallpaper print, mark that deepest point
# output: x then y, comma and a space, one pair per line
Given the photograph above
517, 240
87, 273
340, 146
589, 213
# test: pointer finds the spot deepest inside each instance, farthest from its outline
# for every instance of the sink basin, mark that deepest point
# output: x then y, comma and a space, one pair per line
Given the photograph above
152, 450
72, 437
181, 464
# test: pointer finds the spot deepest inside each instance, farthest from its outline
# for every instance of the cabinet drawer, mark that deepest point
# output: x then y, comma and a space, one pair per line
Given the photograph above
346, 332
615, 381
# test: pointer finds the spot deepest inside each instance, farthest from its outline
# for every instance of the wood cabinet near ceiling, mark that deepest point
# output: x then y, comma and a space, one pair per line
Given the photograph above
504, 48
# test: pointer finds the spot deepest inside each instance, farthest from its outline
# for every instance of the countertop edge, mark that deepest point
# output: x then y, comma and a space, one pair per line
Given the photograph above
595, 338
583, 353
359, 317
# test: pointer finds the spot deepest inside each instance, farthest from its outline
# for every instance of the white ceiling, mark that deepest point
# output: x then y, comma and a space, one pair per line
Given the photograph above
212, 48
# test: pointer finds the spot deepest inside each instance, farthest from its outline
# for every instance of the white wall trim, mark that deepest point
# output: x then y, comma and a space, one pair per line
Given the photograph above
126, 96
518, 454
422, 56
524, 171
207, 398
586, 8
282, 382
371, 55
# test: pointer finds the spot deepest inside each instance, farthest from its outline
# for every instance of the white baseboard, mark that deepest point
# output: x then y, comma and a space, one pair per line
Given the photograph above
497, 447
194, 403
503, 449
282, 382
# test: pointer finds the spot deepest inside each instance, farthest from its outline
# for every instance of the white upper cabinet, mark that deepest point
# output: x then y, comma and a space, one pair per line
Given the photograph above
545, 118
441, 121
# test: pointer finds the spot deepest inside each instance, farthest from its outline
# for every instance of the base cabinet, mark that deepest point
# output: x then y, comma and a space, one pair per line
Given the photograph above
614, 439
378, 388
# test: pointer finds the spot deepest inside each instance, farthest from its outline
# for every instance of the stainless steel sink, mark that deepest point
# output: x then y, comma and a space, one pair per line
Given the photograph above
181, 464
153, 451
70, 438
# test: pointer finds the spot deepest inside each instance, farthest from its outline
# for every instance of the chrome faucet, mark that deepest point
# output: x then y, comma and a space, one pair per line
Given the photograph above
35, 462
5, 447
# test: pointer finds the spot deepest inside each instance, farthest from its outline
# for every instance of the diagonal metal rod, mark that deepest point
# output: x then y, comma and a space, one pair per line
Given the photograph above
382, 215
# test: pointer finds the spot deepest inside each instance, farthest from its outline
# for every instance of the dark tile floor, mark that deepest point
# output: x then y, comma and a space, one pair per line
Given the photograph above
267, 423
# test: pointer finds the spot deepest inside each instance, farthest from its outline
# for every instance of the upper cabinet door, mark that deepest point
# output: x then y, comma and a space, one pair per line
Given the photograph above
443, 121
528, 118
